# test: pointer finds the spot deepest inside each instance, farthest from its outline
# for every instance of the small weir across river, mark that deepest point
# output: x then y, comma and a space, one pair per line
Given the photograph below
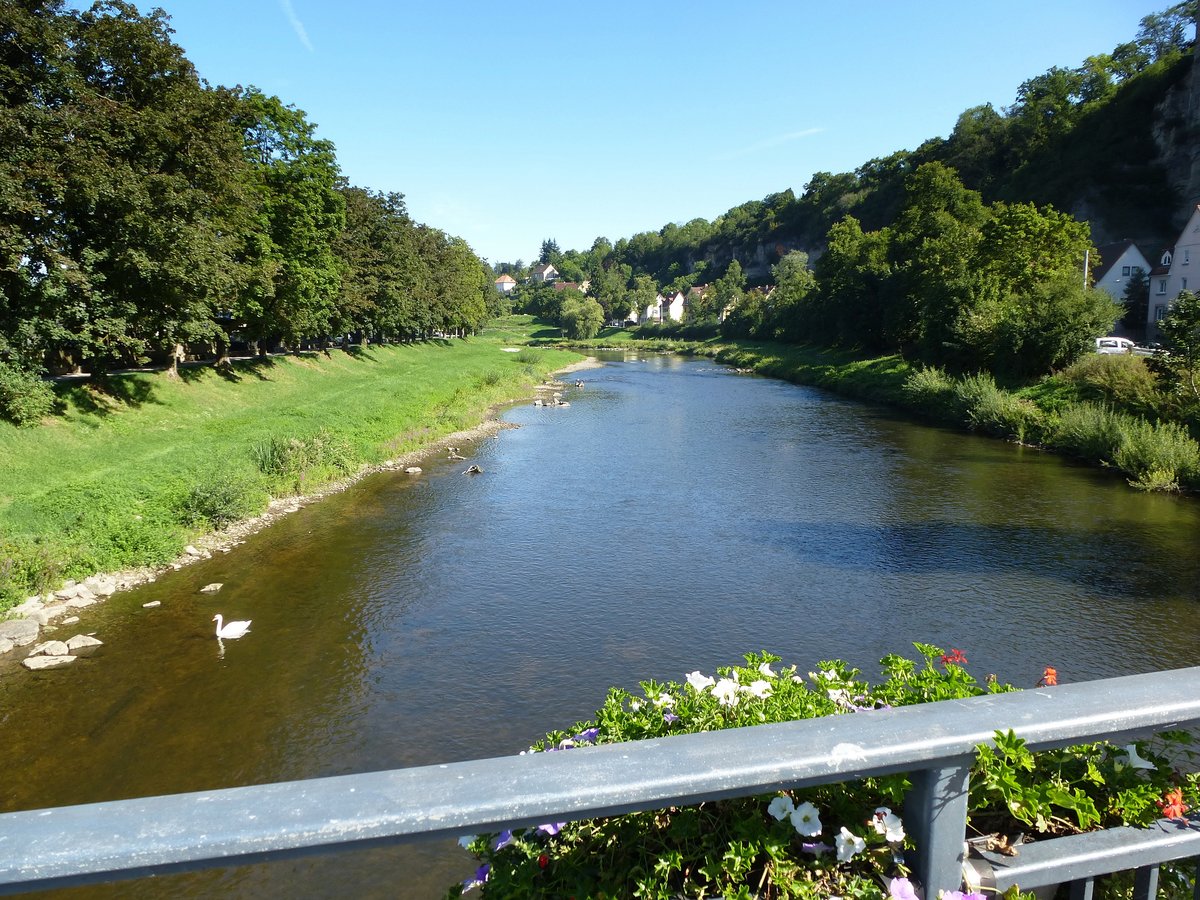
675, 516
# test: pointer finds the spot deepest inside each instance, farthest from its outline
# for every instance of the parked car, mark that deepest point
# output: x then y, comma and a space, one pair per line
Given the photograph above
1114, 345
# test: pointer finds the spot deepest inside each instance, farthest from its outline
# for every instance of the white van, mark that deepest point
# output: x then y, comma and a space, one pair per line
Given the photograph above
1114, 345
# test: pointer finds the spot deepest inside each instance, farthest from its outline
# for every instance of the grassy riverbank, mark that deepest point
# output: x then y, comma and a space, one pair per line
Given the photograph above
135, 466
1106, 410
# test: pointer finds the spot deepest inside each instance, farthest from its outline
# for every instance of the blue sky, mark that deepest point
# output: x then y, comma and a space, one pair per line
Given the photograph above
507, 123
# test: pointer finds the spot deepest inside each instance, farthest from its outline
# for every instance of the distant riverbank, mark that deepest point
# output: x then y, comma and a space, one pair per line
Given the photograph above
136, 468
1084, 417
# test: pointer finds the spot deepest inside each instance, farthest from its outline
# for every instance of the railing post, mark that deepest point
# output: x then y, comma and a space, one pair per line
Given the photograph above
935, 814
1145, 883
1083, 889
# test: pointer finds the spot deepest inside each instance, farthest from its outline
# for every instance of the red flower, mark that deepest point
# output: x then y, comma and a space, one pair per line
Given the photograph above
1049, 677
1172, 804
955, 656
543, 860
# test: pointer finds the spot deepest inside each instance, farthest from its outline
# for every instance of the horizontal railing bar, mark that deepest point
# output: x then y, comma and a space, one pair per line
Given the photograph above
233, 825
1080, 856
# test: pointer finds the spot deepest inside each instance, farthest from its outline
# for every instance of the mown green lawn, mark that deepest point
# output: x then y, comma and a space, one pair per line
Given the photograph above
135, 466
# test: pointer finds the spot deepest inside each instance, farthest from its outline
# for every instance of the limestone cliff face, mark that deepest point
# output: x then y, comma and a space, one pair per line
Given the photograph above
1177, 135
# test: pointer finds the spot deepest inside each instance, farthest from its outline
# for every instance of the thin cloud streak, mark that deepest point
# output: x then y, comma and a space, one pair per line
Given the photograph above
297, 25
768, 144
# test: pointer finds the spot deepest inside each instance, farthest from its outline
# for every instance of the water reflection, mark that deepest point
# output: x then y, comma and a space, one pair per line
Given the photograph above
673, 518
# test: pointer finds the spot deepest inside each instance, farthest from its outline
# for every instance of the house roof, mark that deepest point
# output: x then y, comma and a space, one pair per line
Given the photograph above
1110, 254
506, 279
543, 268
563, 285
1159, 268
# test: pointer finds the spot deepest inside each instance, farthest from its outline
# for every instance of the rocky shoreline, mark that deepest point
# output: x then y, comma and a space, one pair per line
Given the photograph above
45, 613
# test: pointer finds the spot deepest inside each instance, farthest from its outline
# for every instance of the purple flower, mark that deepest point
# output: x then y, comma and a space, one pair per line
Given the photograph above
551, 828
502, 840
902, 889
816, 849
960, 895
481, 875
588, 735
670, 717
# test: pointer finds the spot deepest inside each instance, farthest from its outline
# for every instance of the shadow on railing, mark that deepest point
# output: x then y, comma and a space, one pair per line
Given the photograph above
934, 742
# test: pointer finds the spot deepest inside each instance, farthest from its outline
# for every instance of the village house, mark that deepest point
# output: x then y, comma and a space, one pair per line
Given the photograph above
668, 308
1119, 264
505, 284
543, 272
1174, 274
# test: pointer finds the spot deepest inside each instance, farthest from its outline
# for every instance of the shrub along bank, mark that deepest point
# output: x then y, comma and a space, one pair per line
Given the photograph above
132, 467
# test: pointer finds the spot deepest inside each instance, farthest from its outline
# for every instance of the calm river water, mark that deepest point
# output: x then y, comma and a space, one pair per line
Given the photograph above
674, 517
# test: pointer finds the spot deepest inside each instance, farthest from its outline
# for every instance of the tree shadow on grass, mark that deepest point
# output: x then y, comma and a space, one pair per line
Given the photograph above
105, 394
233, 371
360, 352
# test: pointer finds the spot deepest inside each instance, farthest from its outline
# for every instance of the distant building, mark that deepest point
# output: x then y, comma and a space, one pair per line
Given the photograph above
505, 284
1174, 273
544, 272
667, 308
672, 307
1119, 263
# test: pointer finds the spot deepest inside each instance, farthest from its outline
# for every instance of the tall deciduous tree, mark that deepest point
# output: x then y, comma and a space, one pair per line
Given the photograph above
301, 217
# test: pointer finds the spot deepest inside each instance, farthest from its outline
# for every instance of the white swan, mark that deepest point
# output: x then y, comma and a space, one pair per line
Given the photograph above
230, 630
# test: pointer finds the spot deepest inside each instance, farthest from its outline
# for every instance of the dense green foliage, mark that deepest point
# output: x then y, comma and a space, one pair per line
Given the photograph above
145, 214
138, 464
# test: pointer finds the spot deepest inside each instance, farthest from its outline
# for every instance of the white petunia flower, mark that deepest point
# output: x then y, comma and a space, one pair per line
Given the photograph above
888, 824
1135, 759
848, 845
806, 820
664, 700
466, 840
765, 670
726, 691
635, 705
760, 689
781, 807
700, 682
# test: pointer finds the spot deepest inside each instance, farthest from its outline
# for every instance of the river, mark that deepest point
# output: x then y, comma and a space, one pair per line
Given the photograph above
674, 517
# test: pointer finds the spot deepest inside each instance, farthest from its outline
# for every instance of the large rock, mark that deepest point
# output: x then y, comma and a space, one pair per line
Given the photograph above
19, 631
50, 648
211, 588
5, 645
83, 642
43, 615
80, 602
102, 585
31, 604
36, 663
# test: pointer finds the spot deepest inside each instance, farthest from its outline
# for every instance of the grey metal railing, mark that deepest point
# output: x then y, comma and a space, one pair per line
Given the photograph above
934, 742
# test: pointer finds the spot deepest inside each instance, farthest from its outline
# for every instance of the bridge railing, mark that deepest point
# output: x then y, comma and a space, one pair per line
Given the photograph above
933, 742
